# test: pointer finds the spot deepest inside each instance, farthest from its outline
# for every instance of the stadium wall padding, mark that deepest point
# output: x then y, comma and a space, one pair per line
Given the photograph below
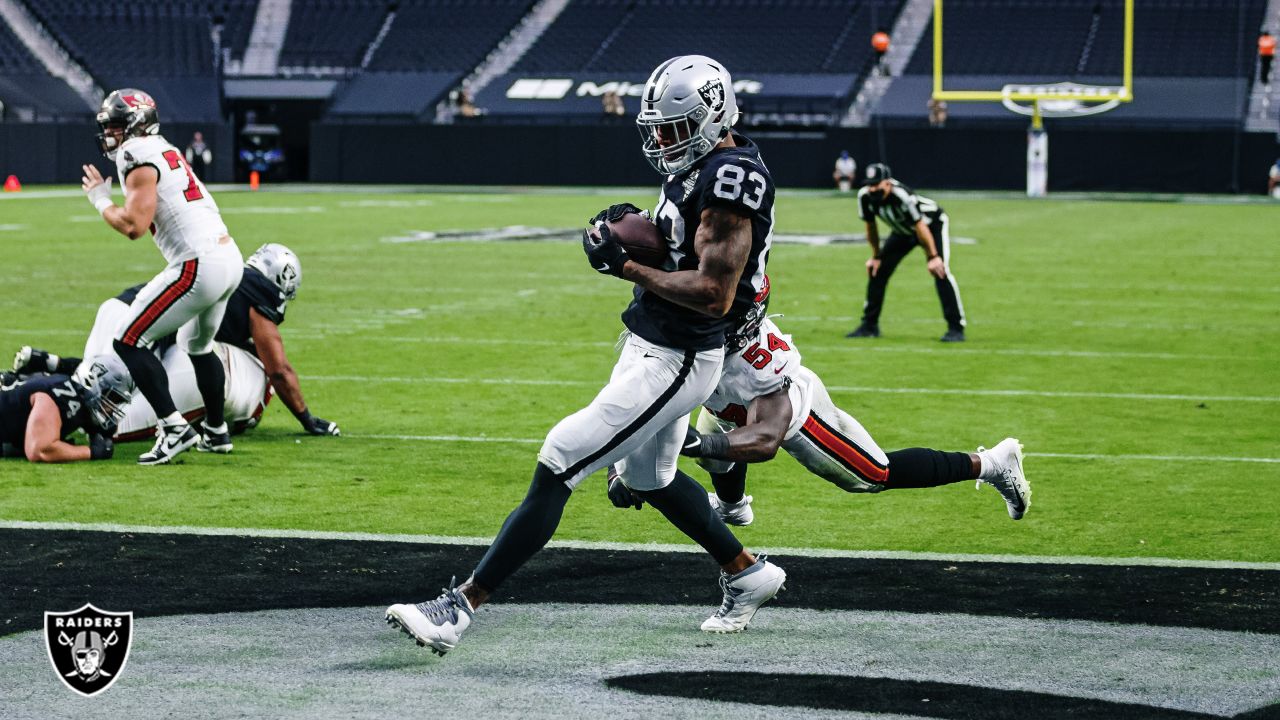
40, 153
1199, 161
483, 154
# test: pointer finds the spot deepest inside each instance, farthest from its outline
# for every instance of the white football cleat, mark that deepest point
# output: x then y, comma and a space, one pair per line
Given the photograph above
1002, 470
438, 623
744, 593
170, 443
738, 513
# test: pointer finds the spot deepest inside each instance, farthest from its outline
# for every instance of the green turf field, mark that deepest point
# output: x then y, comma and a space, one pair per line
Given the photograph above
1140, 338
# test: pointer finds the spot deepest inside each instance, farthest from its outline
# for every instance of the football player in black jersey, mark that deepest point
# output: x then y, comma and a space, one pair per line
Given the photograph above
716, 211
249, 344
913, 220
38, 414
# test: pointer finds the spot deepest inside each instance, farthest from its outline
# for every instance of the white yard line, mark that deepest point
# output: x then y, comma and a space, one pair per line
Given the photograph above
1069, 456
619, 546
836, 388
1102, 354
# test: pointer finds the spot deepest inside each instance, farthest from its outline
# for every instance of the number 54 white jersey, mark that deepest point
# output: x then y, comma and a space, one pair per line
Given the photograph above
187, 221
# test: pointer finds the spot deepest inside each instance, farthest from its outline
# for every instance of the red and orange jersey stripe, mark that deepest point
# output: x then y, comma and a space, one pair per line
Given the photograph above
844, 451
163, 302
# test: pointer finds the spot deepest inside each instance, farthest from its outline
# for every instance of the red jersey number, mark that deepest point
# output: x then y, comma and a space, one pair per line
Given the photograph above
759, 357
192, 193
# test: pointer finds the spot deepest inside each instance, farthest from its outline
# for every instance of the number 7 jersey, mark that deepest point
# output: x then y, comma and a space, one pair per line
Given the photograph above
187, 221
733, 178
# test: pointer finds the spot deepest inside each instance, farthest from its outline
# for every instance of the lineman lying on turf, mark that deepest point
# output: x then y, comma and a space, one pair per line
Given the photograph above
767, 400
38, 414
248, 343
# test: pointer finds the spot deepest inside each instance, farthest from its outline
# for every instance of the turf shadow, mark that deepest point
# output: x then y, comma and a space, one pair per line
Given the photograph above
892, 696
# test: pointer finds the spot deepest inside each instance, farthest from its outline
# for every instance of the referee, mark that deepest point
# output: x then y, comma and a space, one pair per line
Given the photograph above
913, 219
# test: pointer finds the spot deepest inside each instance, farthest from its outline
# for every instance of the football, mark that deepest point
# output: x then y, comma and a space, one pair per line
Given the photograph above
642, 240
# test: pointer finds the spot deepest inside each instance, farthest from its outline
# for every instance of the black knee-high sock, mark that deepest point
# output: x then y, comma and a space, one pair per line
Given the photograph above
149, 375
923, 467
210, 378
684, 503
526, 530
731, 486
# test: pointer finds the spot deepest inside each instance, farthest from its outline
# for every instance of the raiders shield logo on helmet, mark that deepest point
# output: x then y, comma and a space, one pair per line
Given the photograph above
88, 647
712, 94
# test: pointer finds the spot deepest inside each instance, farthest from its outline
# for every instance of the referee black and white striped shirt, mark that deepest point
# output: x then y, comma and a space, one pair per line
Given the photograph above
901, 209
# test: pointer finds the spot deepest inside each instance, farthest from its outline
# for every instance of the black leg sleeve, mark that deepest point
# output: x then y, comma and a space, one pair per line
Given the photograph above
149, 375
211, 379
526, 530
684, 503
67, 365
732, 485
923, 467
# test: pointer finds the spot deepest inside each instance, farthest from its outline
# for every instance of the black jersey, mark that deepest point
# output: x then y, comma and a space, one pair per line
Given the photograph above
901, 209
255, 291
15, 410
735, 178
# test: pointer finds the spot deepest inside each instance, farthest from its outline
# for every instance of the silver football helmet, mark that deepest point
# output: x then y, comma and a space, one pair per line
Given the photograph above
687, 108
106, 388
280, 266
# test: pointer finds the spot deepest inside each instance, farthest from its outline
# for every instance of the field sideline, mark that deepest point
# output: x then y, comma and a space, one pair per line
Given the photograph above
1130, 345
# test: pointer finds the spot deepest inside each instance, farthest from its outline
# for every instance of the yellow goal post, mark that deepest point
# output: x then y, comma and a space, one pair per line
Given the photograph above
1036, 94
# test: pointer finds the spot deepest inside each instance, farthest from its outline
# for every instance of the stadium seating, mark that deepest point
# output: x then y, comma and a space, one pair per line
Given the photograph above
237, 18
1192, 59
809, 56
25, 86
169, 43
446, 35
331, 33
761, 36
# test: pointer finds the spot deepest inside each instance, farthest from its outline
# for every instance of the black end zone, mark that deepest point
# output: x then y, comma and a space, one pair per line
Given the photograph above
154, 574
887, 695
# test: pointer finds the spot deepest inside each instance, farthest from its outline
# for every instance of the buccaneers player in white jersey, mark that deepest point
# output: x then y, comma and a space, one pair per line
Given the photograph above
190, 295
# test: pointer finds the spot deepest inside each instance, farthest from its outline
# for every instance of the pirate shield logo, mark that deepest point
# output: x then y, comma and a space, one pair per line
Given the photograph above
88, 647
712, 94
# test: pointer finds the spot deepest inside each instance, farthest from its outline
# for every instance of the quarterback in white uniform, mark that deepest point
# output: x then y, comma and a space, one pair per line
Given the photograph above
767, 400
190, 295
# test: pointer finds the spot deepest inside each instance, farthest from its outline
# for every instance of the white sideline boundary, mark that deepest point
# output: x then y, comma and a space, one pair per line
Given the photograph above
1068, 456
834, 388
620, 546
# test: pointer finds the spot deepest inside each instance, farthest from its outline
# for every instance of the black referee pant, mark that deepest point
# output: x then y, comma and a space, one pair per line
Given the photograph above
892, 253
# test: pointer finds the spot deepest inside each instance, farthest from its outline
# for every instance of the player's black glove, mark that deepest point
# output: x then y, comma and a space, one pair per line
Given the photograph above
712, 445
101, 446
614, 212
315, 425
603, 252
620, 495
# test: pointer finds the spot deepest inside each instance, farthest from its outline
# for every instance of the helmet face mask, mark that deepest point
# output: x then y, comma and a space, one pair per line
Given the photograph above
125, 114
687, 108
106, 388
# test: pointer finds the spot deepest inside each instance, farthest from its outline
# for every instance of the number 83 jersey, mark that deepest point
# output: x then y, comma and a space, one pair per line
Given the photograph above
187, 221
732, 178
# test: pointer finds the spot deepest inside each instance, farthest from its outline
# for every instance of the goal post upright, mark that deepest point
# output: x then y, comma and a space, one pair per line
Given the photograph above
1055, 100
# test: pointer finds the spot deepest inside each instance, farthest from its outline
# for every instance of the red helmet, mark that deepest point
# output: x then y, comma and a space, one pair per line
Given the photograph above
124, 114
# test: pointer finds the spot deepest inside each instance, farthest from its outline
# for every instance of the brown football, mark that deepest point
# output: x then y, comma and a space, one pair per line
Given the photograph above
642, 240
